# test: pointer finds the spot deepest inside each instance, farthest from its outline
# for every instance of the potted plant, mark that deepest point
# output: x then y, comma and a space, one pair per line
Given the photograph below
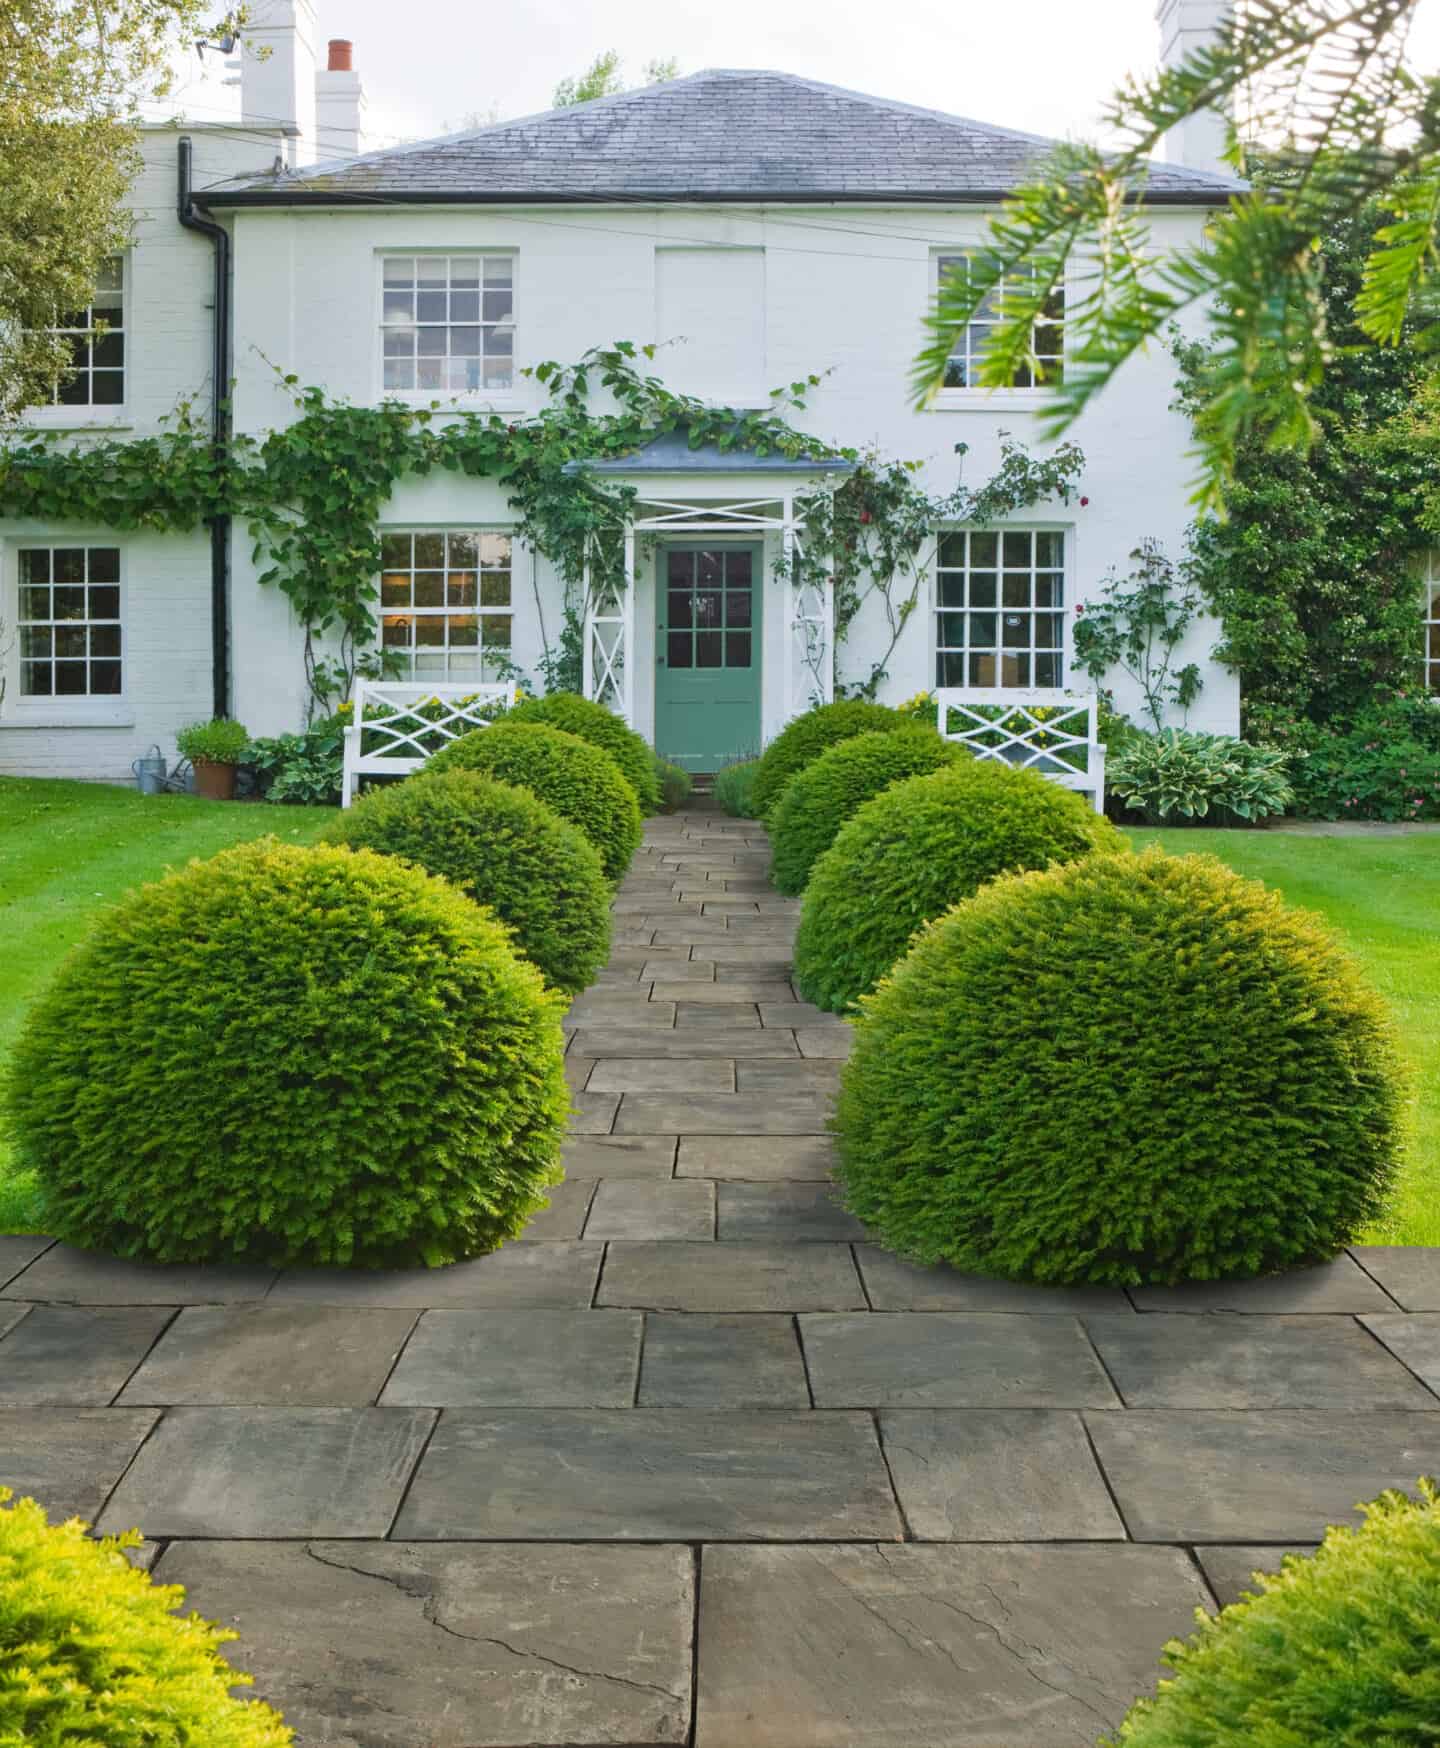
214, 748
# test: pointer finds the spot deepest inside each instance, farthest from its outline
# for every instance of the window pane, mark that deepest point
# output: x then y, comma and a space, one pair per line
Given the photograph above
398, 269
70, 679
395, 551
679, 608
1047, 670
737, 650
1017, 549
949, 669
677, 649
1015, 630
737, 607
35, 603
950, 586
105, 678
464, 342
952, 550
1048, 591
1049, 551
460, 589
982, 628
982, 588
69, 640
498, 372
429, 630
1016, 592
708, 609
70, 565
952, 630
737, 569
464, 306
494, 549
104, 564
36, 641
499, 343
982, 670
429, 588
1048, 632
399, 373
395, 633
104, 640
108, 388
1015, 670
399, 306
499, 306
395, 589
429, 551
984, 551
495, 629
464, 631
69, 603
495, 589
707, 649
431, 270
464, 270
109, 350
35, 680
680, 567
35, 565
499, 269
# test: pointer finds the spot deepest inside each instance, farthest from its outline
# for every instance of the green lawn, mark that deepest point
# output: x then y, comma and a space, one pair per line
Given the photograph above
69, 849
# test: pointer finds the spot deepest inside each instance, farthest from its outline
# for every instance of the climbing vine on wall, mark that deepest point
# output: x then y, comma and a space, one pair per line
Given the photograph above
312, 494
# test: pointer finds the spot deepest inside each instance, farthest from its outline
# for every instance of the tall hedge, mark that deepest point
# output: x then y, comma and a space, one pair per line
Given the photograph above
603, 729
292, 1055
819, 799
582, 783
804, 739
1128, 1069
917, 848
504, 847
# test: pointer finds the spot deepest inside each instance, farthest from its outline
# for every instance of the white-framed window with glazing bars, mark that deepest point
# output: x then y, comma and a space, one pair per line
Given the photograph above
446, 603
447, 323
1000, 608
1430, 607
972, 340
96, 338
68, 621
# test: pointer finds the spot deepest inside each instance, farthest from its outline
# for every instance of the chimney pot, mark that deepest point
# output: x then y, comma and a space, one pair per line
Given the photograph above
341, 54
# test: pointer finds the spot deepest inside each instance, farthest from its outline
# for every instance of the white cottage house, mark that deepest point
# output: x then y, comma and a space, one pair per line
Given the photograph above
758, 226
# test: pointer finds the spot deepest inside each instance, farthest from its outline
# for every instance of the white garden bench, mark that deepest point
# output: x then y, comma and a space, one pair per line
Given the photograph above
1054, 733
388, 713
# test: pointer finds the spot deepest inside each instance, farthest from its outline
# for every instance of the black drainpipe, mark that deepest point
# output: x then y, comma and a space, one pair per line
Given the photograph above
220, 427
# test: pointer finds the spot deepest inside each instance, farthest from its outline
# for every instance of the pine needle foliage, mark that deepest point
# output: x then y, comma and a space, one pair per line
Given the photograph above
292, 1055
604, 729
93, 1654
506, 849
918, 848
807, 736
1339, 1649
818, 800
580, 782
1130, 1069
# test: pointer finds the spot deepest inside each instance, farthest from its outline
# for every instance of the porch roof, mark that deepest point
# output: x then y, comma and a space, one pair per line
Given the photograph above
669, 452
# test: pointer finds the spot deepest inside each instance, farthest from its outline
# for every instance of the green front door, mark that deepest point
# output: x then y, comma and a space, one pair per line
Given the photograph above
707, 654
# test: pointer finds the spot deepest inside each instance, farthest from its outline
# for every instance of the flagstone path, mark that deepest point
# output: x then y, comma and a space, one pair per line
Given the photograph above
694, 1462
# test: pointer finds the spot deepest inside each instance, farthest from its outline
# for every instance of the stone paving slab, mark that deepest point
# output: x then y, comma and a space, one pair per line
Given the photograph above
1000, 1647
1414, 1341
81, 1277
262, 1472
664, 1474
604, 1156
282, 1355
519, 1359
1198, 1476
638, 1208
832, 1042
69, 1458
725, 1361
721, 993
696, 1016
783, 1213
1409, 1273
725, 1038
766, 1158
564, 1218
76, 1356
19, 1252
614, 1007
952, 1359
1231, 1571
663, 1073
894, 1284
1341, 1285
730, 1277
787, 1074
722, 1114
997, 1475
558, 1274
675, 972
11, 1314
421, 1645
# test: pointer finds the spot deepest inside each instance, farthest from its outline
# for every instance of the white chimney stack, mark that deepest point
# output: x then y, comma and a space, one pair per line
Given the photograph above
277, 73
339, 104
1197, 143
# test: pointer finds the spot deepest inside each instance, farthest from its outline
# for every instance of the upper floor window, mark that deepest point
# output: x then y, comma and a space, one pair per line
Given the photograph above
1430, 607
445, 603
962, 369
448, 322
96, 337
999, 609
69, 621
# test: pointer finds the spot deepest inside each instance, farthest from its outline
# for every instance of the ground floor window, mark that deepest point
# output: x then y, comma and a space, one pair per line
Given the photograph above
68, 621
999, 608
1430, 607
446, 603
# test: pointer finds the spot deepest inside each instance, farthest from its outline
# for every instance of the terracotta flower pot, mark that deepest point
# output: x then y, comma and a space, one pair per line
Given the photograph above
214, 782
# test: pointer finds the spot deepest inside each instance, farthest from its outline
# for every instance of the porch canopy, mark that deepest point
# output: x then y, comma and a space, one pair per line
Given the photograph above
695, 493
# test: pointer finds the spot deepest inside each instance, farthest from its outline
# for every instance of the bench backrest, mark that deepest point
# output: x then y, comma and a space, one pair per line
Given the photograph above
1053, 733
398, 724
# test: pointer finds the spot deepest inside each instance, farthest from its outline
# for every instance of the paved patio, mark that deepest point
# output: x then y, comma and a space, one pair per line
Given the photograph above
695, 1462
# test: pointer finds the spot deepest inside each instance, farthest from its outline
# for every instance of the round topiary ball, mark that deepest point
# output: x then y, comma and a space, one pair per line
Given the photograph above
1131, 1069
808, 736
917, 848
93, 1651
582, 783
604, 729
292, 1055
818, 800
504, 847
1339, 1649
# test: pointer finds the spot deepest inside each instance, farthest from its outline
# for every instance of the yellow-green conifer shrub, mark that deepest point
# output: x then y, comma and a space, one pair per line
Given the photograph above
293, 1055
804, 739
1129, 1069
582, 783
1340, 1649
604, 729
93, 1656
504, 847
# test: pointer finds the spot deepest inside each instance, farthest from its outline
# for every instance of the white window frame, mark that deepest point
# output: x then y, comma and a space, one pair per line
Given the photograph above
76, 709
944, 610
1030, 396
448, 610
85, 414
1430, 619
497, 395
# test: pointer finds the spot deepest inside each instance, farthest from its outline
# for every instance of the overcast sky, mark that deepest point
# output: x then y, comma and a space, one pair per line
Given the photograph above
1045, 66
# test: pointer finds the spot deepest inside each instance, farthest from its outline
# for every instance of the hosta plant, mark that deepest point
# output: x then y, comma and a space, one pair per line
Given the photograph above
1178, 776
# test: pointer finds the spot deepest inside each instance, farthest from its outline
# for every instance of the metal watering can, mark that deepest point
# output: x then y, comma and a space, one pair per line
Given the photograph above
150, 773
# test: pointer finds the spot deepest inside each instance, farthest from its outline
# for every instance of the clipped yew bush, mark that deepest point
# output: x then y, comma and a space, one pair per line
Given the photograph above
918, 847
735, 788
93, 1654
1129, 1069
603, 729
1339, 1649
819, 799
804, 739
581, 782
504, 847
292, 1055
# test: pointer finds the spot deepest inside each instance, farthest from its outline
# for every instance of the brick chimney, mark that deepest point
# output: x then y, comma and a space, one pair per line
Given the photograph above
277, 73
1186, 26
339, 104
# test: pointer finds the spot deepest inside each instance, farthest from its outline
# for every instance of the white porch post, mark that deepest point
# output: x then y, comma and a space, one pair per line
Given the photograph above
627, 630
587, 631
792, 603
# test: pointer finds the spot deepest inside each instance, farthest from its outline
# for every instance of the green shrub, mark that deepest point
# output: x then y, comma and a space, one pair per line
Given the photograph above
292, 1055
503, 846
735, 789
807, 737
675, 785
220, 741
304, 769
1176, 777
92, 1653
1128, 1069
582, 783
603, 729
1339, 1649
916, 849
818, 800
1385, 764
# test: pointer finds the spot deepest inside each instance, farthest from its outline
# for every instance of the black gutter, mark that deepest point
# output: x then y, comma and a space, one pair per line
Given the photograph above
402, 196
219, 425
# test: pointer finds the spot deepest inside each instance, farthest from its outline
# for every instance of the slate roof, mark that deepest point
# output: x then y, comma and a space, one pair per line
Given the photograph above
670, 452
718, 135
